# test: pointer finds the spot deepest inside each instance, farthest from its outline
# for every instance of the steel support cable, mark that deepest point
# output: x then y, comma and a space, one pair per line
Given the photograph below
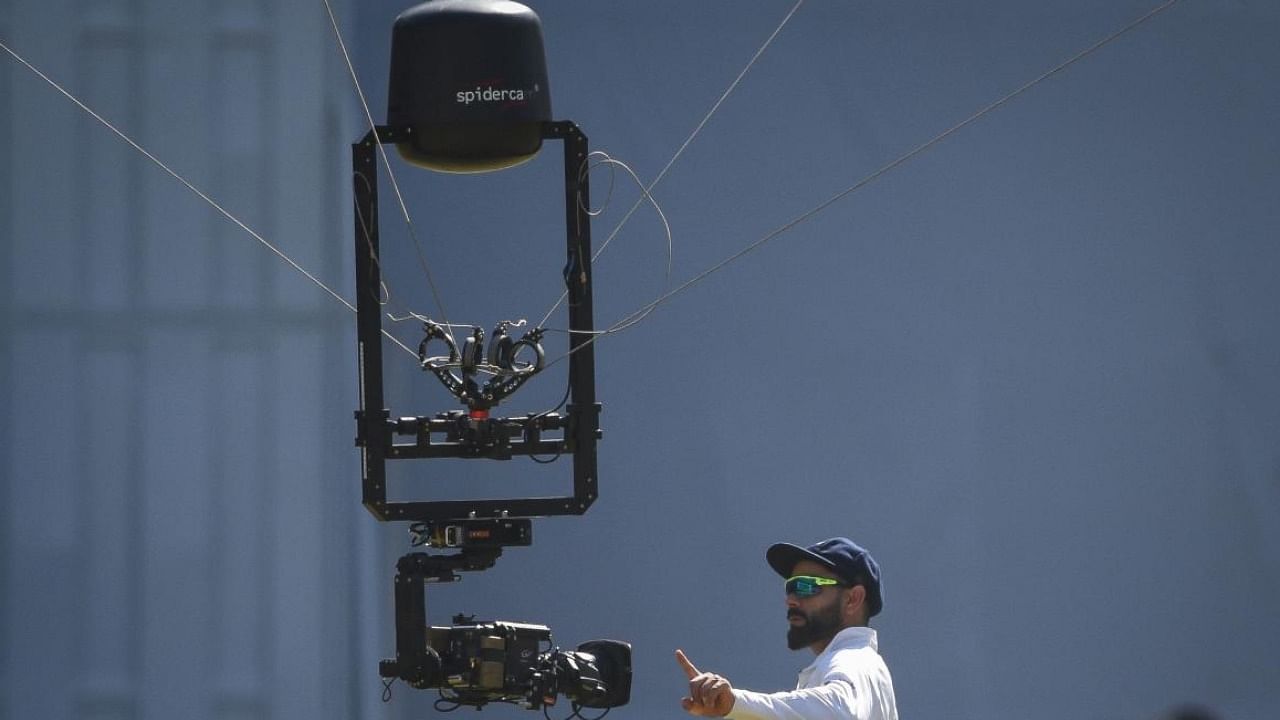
395, 186
190, 186
631, 318
645, 193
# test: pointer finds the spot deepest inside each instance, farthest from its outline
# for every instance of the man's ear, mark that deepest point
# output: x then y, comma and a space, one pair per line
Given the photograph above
855, 602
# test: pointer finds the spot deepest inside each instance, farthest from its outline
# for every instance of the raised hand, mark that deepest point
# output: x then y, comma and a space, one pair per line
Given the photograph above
710, 695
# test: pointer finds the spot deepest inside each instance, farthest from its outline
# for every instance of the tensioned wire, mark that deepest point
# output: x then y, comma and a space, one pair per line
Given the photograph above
644, 310
597, 158
404, 210
645, 195
191, 186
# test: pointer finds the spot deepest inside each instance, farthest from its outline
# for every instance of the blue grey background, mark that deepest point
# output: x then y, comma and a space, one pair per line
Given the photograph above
1034, 369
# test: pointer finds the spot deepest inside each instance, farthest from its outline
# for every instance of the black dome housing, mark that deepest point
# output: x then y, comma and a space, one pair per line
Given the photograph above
468, 84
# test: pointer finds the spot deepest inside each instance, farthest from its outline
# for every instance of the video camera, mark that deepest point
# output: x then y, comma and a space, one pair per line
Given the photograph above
476, 663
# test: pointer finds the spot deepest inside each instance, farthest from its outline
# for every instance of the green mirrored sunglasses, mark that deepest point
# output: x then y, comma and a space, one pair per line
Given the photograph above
808, 585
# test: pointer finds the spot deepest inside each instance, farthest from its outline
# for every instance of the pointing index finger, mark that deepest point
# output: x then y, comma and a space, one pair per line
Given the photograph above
689, 668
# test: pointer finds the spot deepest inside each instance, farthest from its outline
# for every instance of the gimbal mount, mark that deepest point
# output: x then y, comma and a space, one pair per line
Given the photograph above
416, 662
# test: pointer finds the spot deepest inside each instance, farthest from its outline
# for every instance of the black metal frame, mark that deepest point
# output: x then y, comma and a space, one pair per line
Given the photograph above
466, 436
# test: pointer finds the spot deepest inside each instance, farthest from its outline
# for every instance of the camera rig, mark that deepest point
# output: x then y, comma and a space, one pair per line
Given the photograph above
469, 93
476, 663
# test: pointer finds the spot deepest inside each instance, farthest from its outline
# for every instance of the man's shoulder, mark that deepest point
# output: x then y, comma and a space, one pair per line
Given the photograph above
855, 656
856, 636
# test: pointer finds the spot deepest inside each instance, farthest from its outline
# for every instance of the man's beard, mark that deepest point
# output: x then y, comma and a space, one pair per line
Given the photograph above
820, 625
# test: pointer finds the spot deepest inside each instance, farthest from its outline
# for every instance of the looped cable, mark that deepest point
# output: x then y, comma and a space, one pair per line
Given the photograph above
600, 158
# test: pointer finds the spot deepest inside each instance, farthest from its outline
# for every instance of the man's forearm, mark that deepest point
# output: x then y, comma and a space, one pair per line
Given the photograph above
833, 701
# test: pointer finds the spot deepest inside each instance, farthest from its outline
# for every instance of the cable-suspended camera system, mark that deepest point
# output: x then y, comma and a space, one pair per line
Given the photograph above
469, 93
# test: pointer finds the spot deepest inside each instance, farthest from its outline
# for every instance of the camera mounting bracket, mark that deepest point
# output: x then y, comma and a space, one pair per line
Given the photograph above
415, 662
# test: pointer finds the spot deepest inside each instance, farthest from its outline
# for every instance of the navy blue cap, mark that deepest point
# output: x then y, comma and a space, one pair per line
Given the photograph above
850, 562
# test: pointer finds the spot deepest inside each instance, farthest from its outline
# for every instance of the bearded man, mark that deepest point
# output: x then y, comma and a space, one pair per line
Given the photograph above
832, 592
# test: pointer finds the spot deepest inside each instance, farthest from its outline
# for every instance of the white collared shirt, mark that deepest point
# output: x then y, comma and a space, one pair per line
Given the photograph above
847, 681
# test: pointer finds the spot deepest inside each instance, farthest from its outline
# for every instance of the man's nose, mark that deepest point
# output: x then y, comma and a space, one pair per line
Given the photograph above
792, 601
